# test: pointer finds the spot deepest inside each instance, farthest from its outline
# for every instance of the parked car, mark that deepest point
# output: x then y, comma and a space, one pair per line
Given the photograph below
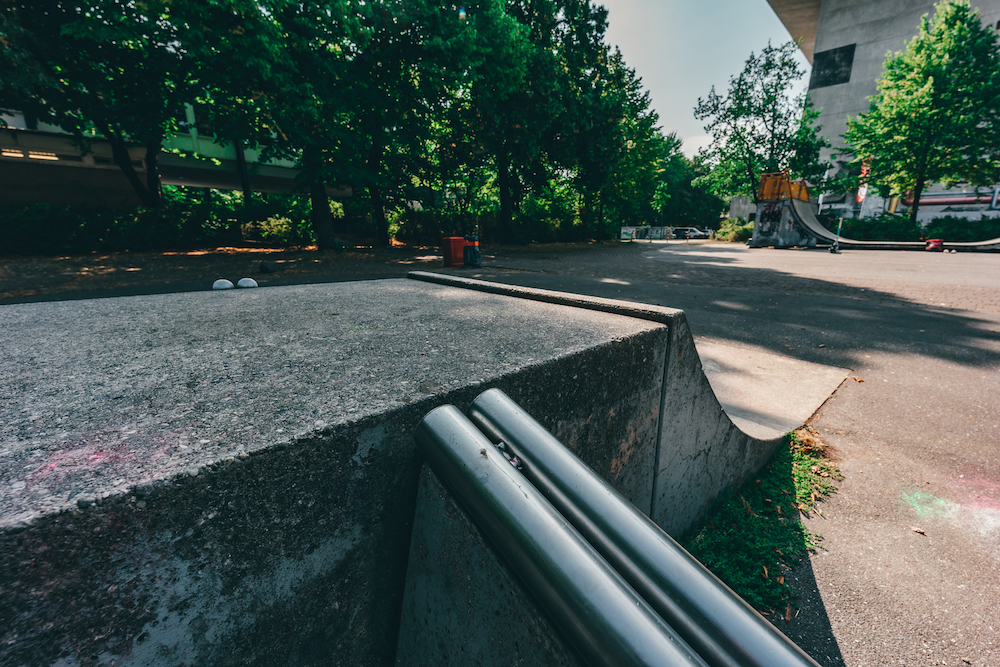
691, 233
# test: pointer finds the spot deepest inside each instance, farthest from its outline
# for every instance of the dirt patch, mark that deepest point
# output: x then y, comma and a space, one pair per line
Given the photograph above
35, 276
26, 278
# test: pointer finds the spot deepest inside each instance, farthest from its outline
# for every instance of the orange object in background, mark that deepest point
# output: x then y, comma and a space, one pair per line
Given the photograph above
778, 185
453, 247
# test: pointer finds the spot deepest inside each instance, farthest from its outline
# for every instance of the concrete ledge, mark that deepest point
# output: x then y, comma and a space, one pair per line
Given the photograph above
700, 451
462, 604
228, 478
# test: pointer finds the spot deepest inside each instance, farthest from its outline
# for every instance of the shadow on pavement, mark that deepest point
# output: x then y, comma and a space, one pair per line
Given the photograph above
805, 318
811, 631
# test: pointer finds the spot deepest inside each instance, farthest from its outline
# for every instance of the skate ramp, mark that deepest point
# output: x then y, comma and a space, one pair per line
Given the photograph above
790, 222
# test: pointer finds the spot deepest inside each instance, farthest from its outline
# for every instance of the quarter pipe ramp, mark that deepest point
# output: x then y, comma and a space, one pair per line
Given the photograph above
790, 222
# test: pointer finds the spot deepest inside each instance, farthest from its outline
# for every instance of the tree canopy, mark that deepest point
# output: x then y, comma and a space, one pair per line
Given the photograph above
759, 126
513, 108
936, 116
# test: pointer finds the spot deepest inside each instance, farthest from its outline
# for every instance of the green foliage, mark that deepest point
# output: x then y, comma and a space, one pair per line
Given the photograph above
883, 227
758, 126
751, 535
514, 109
955, 229
735, 230
936, 116
188, 218
679, 200
548, 213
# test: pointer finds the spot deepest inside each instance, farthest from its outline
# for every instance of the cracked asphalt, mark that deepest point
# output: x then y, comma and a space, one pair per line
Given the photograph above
909, 572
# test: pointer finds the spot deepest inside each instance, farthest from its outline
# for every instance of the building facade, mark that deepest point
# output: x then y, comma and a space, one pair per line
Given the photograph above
846, 41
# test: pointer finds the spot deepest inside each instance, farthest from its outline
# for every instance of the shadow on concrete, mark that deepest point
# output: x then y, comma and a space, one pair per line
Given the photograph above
805, 318
176, 288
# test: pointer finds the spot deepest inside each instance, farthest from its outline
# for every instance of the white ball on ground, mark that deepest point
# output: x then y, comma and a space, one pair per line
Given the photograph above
246, 282
222, 283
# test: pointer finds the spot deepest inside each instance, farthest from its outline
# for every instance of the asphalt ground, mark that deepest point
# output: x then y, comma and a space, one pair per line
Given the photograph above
909, 571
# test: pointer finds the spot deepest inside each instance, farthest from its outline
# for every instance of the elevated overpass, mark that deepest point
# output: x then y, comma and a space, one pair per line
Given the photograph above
44, 164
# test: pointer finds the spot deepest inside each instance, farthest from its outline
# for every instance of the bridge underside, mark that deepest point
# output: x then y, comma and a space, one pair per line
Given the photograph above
47, 167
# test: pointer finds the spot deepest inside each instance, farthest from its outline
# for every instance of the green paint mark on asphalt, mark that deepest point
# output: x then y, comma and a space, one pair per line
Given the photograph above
929, 506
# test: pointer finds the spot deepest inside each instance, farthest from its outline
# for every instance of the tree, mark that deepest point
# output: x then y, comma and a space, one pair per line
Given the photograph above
679, 201
111, 66
936, 116
633, 155
759, 126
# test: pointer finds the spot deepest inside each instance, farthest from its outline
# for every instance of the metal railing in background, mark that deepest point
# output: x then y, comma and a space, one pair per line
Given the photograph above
711, 618
604, 620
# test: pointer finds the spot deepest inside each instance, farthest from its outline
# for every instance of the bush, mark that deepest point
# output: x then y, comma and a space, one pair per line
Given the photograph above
279, 231
45, 229
955, 229
187, 218
430, 226
547, 214
883, 227
735, 230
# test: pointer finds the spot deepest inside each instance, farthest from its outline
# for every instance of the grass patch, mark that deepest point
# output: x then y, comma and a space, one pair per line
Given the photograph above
735, 230
752, 535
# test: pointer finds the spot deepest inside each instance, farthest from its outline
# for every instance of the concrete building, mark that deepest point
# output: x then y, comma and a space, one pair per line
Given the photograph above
846, 41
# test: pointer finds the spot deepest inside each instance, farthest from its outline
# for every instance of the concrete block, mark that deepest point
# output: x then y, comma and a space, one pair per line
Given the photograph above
462, 605
699, 450
228, 477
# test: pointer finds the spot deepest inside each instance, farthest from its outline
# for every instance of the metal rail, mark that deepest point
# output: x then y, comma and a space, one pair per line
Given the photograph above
604, 619
711, 618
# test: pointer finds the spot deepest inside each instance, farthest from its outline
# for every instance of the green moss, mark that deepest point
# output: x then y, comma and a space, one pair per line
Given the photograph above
752, 535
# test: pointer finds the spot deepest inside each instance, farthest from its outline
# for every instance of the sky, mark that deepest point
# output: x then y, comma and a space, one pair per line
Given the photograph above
681, 48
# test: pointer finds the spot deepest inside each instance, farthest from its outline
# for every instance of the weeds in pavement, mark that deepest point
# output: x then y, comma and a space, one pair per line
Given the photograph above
752, 535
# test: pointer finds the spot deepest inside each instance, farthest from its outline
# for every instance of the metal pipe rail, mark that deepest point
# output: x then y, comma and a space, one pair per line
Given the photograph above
603, 619
711, 618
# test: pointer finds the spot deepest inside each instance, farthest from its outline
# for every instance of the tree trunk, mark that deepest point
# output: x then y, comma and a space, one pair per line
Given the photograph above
244, 174
600, 213
375, 193
153, 184
918, 189
322, 219
378, 213
119, 151
754, 183
506, 222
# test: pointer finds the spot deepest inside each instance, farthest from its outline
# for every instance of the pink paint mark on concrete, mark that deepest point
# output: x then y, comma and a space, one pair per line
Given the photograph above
980, 492
982, 483
94, 451
984, 503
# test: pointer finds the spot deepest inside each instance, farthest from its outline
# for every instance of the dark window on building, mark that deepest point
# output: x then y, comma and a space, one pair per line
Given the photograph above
832, 67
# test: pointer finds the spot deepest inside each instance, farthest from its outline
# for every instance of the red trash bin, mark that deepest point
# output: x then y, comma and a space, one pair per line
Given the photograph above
453, 247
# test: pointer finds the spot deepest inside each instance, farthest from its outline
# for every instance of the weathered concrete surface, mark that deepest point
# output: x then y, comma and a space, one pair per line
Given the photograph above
462, 605
917, 434
767, 395
700, 451
228, 478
